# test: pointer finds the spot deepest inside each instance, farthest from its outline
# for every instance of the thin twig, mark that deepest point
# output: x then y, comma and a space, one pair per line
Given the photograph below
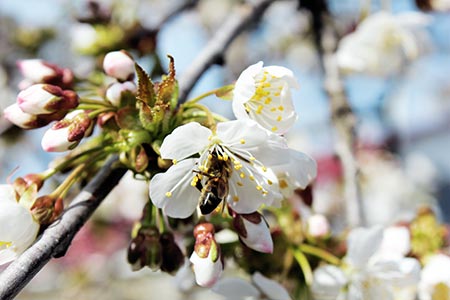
56, 239
344, 122
214, 51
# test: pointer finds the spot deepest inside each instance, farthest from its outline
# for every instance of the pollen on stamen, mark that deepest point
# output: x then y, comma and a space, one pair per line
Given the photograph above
268, 100
265, 193
242, 141
252, 158
259, 187
273, 109
235, 198
242, 175
281, 107
251, 177
264, 169
239, 183
279, 118
174, 161
259, 109
274, 128
269, 182
225, 157
169, 194
194, 181
283, 184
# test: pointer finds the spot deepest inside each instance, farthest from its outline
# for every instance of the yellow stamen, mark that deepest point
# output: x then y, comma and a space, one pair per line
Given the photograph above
239, 183
251, 177
281, 107
174, 161
235, 198
279, 118
274, 128
259, 109
283, 184
242, 175
242, 141
259, 188
169, 194
269, 182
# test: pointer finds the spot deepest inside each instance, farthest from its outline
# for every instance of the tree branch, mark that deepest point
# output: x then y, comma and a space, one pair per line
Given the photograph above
56, 239
214, 51
344, 122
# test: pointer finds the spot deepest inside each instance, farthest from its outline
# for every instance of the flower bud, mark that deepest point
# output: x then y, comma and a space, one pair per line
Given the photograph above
119, 64
254, 231
145, 249
46, 99
206, 258
115, 91
15, 115
172, 257
47, 209
318, 226
67, 133
37, 70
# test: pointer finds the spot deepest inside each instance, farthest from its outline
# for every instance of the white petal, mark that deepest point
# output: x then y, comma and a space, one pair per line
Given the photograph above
299, 171
283, 73
7, 193
247, 194
270, 288
235, 288
258, 236
244, 88
185, 141
328, 282
18, 228
362, 243
206, 271
175, 183
243, 134
396, 243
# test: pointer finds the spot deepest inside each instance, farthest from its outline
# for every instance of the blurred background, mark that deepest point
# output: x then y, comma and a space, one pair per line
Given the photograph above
403, 118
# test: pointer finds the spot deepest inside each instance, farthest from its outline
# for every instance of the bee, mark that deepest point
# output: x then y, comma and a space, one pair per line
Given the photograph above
215, 189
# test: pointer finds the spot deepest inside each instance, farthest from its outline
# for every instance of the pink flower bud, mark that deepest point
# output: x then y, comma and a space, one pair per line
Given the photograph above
37, 70
67, 133
318, 226
15, 115
114, 92
254, 232
119, 65
206, 260
46, 99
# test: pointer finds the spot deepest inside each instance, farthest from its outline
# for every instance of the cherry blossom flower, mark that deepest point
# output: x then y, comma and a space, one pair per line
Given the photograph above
263, 94
240, 148
382, 38
364, 276
36, 70
435, 277
18, 228
119, 64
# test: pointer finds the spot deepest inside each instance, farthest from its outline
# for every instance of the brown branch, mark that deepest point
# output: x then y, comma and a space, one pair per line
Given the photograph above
344, 122
56, 239
214, 51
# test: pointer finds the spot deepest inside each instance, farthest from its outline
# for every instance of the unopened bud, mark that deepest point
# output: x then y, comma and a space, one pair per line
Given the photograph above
318, 226
115, 91
206, 258
254, 231
119, 64
145, 249
67, 133
15, 115
46, 99
172, 256
37, 70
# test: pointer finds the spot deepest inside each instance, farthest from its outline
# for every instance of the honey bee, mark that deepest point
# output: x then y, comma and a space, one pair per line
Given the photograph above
215, 189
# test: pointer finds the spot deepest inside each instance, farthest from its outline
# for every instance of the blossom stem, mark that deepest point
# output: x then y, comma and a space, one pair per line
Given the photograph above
63, 188
304, 265
95, 113
212, 92
208, 114
320, 253
94, 102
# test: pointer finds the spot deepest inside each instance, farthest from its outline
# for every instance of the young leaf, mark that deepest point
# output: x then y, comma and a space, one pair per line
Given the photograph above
145, 92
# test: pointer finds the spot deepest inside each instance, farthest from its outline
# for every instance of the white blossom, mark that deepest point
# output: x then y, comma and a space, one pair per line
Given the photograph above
18, 228
435, 275
263, 94
364, 276
382, 42
36, 70
114, 92
15, 115
242, 145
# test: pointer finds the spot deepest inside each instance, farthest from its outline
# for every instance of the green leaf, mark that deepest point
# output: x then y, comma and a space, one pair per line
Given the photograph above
145, 92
